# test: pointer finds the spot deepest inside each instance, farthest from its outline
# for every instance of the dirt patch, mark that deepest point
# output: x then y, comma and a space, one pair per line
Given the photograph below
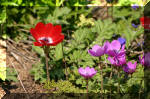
21, 57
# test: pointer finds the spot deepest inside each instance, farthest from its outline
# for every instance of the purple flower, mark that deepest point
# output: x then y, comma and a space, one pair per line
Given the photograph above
145, 60
130, 68
122, 41
118, 60
114, 48
96, 51
134, 25
87, 72
135, 6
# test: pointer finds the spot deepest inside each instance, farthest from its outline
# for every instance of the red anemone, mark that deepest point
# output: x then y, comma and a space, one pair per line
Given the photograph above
145, 21
47, 34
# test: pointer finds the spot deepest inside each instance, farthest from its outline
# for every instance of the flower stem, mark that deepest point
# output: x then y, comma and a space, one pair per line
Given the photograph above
87, 85
110, 78
101, 73
140, 91
101, 80
118, 80
46, 51
64, 61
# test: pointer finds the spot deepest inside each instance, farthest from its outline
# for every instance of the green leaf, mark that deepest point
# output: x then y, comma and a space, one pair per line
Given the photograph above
39, 50
2, 15
59, 51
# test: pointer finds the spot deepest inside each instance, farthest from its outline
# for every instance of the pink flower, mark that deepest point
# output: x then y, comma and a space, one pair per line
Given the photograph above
130, 68
114, 48
96, 51
117, 60
145, 60
87, 72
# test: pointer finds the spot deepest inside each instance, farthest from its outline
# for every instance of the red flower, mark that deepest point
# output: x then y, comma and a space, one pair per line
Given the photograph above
47, 34
145, 21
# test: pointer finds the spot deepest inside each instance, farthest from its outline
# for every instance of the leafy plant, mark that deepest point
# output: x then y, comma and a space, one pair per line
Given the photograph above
11, 74
39, 72
61, 87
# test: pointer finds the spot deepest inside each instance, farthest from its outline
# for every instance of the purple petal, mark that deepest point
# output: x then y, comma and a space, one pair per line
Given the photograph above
122, 41
106, 46
111, 60
81, 71
115, 44
95, 47
92, 53
147, 59
96, 51
130, 68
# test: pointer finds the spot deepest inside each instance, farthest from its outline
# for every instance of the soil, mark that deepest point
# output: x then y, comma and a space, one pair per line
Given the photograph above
21, 57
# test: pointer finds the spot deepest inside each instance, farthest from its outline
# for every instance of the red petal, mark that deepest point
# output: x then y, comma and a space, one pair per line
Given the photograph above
37, 44
34, 34
60, 39
57, 29
40, 29
142, 19
48, 29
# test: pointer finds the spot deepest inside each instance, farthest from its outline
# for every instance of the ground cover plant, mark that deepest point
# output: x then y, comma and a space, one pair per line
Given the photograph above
67, 47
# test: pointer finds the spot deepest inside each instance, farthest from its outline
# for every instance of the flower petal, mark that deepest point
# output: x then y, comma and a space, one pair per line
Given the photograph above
115, 44
37, 44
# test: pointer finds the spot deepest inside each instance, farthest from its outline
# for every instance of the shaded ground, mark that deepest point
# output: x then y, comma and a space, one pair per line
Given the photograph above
20, 57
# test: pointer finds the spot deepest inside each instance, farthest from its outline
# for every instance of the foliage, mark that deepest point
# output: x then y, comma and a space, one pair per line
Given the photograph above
59, 16
130, 2
84, 21
11, 74
39, 73
61, 87
3, 15
81, 33
75, 52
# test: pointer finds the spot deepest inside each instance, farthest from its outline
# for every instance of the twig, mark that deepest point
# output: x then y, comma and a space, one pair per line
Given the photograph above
19, 78
16, 50
17, 58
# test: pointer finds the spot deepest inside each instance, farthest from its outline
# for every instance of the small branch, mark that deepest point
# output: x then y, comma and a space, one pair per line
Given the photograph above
19, 78
17, 58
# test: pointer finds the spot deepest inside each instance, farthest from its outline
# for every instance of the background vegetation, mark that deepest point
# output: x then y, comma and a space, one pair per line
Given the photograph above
81, 32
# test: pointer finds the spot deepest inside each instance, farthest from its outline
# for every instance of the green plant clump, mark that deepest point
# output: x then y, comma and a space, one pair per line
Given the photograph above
61, 87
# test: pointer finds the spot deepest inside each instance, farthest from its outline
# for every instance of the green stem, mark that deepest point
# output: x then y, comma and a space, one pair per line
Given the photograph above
118, 80
101, 73
87, 88
87, 85
64, 61
46, 51
110, 77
